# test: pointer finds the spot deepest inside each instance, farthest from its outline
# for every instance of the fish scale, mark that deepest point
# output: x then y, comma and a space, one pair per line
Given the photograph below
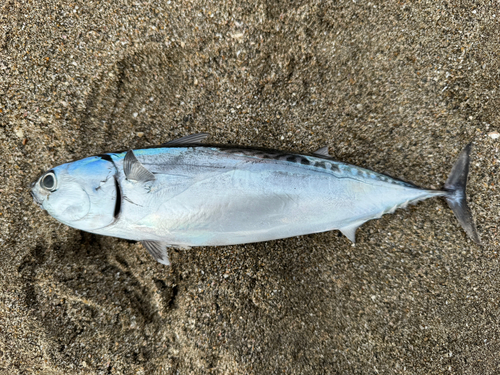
184, 194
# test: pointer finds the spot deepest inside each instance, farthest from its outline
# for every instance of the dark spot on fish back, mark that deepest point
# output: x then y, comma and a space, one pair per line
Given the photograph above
106, 157
291, 158
334, 168
304, 161
320, 164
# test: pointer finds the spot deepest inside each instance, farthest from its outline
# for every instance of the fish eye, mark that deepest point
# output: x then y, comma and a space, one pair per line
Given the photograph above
49, 181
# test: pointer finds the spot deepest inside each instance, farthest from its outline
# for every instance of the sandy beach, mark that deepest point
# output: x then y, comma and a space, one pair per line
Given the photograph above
397, 87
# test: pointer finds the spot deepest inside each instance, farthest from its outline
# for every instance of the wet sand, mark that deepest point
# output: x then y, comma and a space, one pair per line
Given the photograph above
396, 87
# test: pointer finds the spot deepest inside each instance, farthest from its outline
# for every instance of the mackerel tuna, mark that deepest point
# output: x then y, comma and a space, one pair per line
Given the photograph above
184, 194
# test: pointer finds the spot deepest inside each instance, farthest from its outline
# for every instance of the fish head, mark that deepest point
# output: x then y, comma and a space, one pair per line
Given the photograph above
81, 194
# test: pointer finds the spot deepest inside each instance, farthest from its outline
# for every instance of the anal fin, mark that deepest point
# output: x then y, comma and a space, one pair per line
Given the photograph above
350, 232
158, 250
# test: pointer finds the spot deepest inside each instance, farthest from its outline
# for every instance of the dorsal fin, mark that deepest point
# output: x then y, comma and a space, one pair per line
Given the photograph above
158, 250
192, 138
134, 170
323, 151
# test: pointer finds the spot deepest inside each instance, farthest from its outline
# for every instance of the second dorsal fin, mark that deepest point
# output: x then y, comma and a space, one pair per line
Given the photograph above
323, 151
134, 170
192, 138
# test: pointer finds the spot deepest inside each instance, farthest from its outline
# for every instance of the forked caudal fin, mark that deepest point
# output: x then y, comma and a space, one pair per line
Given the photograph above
456, 198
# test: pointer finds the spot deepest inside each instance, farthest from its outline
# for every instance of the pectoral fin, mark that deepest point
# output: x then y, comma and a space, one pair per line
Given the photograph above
134, 170
350, 232
158, 250
192, 138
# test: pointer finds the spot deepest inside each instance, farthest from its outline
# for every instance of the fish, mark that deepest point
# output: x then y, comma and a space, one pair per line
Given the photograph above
186, 193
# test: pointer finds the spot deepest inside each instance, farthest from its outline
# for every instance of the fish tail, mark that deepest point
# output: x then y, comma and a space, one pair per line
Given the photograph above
456, 196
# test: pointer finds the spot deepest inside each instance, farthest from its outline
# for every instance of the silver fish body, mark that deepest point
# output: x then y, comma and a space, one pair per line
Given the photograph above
187, 195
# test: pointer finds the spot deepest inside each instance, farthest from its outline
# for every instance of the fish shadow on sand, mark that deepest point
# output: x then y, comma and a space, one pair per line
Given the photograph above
78, 294
257, 301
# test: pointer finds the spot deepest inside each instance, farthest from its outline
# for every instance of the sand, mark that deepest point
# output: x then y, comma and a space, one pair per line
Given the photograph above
397, 87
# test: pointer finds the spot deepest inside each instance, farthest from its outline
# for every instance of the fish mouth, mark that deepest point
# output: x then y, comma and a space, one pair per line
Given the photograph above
35, 199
